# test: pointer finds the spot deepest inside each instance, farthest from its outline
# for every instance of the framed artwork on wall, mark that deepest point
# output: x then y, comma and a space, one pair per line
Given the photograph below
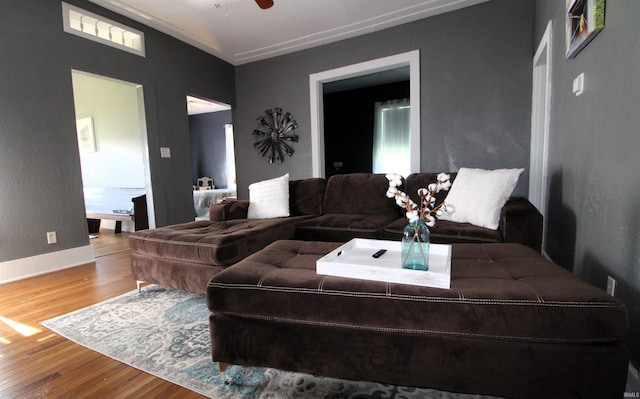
585, 19
86, 135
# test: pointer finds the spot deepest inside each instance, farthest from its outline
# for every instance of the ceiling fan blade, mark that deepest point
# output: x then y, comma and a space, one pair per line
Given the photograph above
264, 4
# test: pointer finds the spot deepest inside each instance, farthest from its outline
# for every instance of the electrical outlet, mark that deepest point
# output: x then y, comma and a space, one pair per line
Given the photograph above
578, 84
52, 238
611, 286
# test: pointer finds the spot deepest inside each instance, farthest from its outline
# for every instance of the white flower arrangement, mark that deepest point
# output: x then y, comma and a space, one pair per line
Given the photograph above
427, 211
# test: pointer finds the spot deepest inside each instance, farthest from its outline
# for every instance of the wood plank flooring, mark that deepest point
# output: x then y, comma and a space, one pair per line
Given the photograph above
36, 363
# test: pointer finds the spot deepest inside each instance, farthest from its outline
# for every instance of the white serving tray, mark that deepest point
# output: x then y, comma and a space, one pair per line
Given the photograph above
354, 260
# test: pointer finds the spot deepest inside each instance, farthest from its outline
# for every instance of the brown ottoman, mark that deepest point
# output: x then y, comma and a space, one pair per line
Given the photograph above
513, 324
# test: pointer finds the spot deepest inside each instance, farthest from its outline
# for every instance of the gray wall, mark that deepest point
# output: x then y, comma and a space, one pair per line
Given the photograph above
594, 206
39, 161
475, 90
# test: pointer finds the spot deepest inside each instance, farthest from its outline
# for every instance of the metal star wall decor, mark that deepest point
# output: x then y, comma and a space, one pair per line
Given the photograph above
273, 132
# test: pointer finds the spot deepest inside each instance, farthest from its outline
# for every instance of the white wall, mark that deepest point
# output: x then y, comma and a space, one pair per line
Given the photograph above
113, 105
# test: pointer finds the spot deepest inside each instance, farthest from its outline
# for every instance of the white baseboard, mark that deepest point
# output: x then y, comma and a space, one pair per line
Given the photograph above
19, 269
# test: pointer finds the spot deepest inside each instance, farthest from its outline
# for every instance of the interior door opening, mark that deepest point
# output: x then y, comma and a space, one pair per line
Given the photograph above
540, 117
317, 82
112, 143
362, 127
212, 153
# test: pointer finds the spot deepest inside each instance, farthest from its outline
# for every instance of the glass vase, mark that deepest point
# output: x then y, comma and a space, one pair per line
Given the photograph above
415, 246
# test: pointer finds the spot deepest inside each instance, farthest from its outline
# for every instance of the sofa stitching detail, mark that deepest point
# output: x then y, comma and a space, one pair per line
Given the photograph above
489, 258
321, 285
326, 228
160, 240
420, 331
538, 294
509, 276
460, 239
463, 300
554, 276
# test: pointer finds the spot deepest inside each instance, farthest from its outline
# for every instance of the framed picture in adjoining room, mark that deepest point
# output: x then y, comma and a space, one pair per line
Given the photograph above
585, 19
86, 135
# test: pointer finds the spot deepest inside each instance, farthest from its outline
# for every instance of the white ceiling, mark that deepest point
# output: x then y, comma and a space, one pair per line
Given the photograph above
238, 31
196, 106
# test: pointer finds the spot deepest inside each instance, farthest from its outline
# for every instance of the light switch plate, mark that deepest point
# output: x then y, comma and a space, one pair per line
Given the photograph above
165, 152
578, 84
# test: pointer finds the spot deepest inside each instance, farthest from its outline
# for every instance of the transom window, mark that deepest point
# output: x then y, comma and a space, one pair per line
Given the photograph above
102, 30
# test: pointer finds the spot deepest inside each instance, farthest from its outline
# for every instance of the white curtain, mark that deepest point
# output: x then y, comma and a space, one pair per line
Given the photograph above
391, 145
231, 158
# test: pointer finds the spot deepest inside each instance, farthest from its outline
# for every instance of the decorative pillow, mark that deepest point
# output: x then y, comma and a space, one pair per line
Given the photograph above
269, 198
478, 195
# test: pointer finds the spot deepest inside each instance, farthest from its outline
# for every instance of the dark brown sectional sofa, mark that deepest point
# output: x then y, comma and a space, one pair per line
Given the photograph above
186, 256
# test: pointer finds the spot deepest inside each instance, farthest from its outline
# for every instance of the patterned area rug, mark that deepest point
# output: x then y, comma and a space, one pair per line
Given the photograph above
165, 332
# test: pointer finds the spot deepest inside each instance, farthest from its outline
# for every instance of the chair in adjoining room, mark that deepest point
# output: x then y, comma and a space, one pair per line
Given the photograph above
140, 215
205, 183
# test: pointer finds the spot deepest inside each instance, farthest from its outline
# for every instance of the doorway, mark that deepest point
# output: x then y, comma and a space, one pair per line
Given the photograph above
112, 143
316, 89
358, 126
540, 117
212, 153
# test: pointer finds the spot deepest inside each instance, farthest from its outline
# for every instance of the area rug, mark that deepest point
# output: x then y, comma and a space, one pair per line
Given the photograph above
165, 332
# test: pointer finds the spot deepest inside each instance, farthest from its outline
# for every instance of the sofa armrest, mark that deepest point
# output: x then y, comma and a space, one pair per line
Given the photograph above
229, 210
521, 222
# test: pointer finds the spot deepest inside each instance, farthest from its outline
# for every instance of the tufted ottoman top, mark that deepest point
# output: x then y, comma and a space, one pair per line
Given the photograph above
220, 243
498, 291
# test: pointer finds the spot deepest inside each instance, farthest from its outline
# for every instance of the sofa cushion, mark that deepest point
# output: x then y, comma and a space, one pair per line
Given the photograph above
269, 198
359, 193
503, 292
306, 196
446, 232
213, 243
478, 195
342, 227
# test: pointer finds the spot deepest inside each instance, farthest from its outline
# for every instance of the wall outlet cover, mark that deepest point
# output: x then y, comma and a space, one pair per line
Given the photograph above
611, 286
52, 237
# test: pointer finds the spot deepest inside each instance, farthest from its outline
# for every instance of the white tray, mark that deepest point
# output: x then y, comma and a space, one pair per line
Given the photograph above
354, 260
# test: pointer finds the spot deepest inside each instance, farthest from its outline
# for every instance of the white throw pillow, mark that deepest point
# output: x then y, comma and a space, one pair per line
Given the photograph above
478, 195
269, 198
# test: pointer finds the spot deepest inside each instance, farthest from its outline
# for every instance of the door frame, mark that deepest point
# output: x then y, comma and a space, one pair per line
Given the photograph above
540, 125
144, 141
317, 80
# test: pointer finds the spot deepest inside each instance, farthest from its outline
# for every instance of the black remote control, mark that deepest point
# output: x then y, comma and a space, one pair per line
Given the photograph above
379, 253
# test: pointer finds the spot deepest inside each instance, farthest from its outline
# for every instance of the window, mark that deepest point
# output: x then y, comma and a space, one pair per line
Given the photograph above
391, 137
94, 27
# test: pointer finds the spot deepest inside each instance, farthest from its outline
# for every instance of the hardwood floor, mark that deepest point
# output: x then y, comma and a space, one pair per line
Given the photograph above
107, 242
36, 363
